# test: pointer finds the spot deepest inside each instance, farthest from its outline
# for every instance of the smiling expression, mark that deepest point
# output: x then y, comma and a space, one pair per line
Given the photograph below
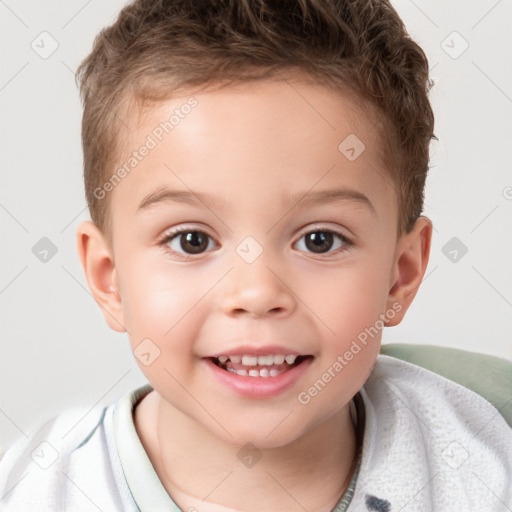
250, 228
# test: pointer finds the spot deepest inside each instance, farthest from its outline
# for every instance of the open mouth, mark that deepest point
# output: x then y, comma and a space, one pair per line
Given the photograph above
259, 366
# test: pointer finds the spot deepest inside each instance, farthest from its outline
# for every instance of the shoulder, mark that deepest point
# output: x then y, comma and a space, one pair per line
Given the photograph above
58, 435
396, 378
431, 443
431, 399
487, 375
57, 458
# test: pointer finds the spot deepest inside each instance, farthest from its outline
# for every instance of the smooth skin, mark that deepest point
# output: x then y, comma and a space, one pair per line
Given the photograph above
251, 147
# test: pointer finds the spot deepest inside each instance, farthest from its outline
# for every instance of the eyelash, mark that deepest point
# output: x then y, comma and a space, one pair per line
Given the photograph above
178, 231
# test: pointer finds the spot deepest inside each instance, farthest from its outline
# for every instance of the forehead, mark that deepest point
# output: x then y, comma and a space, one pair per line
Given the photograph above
282, 137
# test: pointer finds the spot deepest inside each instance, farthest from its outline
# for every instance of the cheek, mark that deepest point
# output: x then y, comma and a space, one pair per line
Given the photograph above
158, 301
350, 310
151, 283
349, 300
161, 311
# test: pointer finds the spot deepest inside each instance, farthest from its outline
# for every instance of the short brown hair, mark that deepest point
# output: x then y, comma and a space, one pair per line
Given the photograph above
361, 47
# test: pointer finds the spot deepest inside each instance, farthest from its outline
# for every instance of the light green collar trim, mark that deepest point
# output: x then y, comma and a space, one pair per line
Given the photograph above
146, 488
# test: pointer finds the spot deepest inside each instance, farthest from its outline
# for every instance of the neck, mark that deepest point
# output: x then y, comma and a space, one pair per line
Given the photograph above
310, 473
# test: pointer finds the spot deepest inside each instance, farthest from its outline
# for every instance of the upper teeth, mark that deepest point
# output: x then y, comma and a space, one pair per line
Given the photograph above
259, 360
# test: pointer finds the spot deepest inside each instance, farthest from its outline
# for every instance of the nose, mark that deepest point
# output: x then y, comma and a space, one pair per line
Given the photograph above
258, 290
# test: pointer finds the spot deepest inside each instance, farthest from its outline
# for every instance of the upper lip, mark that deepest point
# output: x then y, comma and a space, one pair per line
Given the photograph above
251, 350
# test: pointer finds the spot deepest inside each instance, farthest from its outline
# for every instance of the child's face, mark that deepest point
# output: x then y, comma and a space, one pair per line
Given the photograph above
242, 157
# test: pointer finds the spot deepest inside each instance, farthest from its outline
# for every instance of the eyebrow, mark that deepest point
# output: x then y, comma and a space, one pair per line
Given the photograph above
302, 200
328, 196
165, 195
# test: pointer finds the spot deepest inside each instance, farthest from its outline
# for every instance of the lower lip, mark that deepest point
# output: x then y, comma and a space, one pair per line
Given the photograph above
259, 387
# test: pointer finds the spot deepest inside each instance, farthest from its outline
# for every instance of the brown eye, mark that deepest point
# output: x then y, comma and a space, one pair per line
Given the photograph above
319, 241
187, 242
194, 241
323, 241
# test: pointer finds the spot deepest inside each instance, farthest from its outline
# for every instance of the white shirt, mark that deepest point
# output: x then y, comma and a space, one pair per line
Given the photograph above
429, 445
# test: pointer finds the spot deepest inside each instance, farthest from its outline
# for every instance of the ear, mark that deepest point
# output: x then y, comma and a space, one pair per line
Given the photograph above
98, 264
411, 259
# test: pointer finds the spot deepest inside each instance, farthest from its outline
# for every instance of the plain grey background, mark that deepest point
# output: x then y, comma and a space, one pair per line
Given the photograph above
57, 351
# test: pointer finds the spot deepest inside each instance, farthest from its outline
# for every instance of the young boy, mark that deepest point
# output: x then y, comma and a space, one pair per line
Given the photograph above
255, 174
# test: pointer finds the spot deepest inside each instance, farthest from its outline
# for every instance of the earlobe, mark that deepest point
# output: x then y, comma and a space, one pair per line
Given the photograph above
100, 272
409, 268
